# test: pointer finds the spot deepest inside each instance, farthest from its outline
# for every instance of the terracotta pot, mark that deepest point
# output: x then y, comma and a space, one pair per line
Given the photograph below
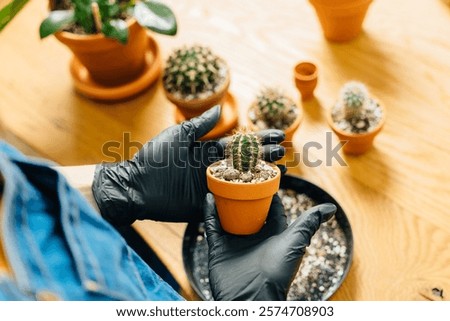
228, 121
288, 132
305, 77
353, 143
195, 107
109, 62
341, 20
243, 207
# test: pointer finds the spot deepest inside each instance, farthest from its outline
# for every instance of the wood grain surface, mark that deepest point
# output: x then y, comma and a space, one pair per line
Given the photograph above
397, 196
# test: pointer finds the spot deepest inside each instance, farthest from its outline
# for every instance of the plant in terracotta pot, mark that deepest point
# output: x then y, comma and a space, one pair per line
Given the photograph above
341, 20
243, 185
273, 109
356, 118
194, 80
109, 38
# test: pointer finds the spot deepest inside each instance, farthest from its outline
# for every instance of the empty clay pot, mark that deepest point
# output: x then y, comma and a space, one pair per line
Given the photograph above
305, 77
243, 207
341, 20
353, 143
109, 62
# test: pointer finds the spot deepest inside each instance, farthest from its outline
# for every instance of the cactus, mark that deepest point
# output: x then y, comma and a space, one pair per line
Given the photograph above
274, 108
354, 96
244, 151
193, 71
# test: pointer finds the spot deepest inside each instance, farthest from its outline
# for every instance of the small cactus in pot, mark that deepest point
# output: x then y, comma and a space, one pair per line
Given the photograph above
194, 72
273, 109
195, 79
243, 185
356, 117
244, 150
354, 95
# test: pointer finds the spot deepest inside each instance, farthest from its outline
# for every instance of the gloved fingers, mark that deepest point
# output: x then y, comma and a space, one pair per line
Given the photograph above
283, 169
276, 219
272, 153
199, 126
271, 136
212, 223
298, 235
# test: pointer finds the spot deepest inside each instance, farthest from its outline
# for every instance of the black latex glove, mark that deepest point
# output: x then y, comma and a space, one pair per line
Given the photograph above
260, 266
166, 179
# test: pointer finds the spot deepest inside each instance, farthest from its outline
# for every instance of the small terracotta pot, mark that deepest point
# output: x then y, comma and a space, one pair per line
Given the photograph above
195, 107
288, 132
353, 143
305, 77
228, 121
243, 207
109, 62
341, 20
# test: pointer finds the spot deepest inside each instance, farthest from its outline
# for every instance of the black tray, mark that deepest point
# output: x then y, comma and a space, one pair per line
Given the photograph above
195, 251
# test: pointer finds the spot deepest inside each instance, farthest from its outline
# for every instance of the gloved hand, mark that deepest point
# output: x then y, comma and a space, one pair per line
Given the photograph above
259, 267
166, 179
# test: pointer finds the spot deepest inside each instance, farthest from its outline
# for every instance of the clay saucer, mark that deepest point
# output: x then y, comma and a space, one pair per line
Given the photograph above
227, 122
86, 86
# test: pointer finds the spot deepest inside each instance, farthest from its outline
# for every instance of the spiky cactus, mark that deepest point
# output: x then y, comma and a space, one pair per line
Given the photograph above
272, 109
244, 150
193, 72
354, 95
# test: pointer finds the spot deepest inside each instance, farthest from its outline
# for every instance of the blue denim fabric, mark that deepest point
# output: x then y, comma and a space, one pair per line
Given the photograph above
59, 247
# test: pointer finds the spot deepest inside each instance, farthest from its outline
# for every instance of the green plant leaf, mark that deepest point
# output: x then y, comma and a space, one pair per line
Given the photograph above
8, 12
83, 15
155, 16
108, 9
116, 29
56, 21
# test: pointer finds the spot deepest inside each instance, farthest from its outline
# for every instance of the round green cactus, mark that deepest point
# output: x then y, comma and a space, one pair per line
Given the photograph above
193, 71
244, 150
354, 95
273, 107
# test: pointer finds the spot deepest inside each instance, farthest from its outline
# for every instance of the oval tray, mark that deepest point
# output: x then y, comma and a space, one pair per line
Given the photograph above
317, 282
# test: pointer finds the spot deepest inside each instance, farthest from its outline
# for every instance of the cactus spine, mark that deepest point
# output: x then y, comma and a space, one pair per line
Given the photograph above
244, 150
192, 71
354, 96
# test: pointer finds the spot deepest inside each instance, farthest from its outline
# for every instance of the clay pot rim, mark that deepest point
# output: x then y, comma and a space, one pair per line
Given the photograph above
70, 36
269, 181
295, 124
352, 4
194, 103
303, 77
356, 135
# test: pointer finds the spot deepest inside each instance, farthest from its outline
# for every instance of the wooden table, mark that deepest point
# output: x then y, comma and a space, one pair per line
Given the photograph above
397, 196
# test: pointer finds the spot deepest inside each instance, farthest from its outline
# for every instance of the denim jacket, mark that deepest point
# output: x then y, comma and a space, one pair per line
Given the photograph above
58, 247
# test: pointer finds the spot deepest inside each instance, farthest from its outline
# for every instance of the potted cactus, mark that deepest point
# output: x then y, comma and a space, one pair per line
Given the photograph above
341, 20
273, 109
195, 79
109, 38
356, 118
243, 185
